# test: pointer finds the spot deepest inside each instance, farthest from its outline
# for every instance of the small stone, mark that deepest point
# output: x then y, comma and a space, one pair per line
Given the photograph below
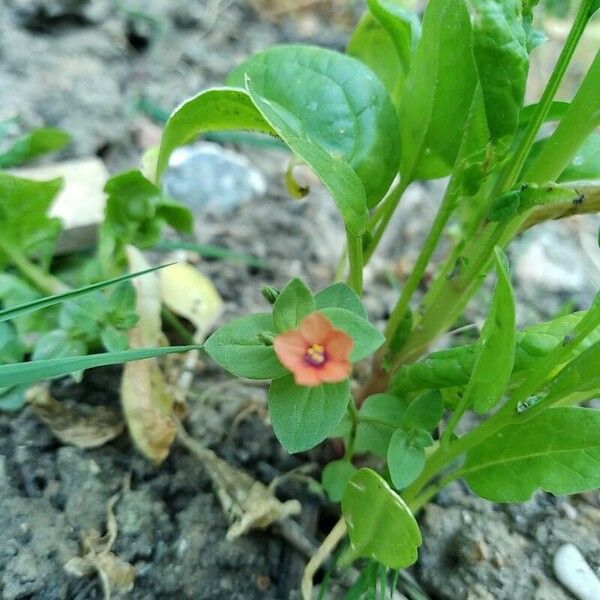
572, 570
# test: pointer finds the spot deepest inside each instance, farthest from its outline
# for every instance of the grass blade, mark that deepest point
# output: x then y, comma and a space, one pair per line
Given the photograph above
28, 372
33, 305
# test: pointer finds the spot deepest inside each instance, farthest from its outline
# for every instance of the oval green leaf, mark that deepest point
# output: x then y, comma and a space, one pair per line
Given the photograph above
293, 304
557, 451
340, 295
405, 459
303, 417
318, 98
239, 348
335, 477
367, 338
380, 525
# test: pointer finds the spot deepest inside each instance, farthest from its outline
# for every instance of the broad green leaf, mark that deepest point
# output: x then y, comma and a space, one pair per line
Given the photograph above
495, 356
32, 145
367, 338
293, 304
424, 412
556, 112
380, 525
438, 92
329, 104
405, 459
38, 370
114, 339
25, 226
502, 61
379, 416
586, 163
582, 374
335, 477
217, 109
557, 451
33, 305
240, 348
371, 44
340, 295
303, 417
226, 108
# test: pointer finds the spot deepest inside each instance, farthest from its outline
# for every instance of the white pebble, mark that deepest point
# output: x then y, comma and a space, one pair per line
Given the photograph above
572, 570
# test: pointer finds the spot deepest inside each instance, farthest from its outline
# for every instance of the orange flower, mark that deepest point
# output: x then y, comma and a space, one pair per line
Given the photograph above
316, 352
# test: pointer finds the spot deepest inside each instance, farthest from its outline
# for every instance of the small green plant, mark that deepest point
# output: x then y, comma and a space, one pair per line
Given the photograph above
414, 100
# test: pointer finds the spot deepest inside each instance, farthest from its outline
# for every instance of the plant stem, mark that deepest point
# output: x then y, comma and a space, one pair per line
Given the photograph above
511, 173
381, 217
580, 121
42, 280
446, 209
355, 256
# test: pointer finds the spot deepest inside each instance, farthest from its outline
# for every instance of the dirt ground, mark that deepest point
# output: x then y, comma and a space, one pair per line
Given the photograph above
85, 67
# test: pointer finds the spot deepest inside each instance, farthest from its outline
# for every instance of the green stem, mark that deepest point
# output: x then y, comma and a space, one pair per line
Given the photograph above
447, 207
380, 219
511, 173
355, 256
580, 121
42, 280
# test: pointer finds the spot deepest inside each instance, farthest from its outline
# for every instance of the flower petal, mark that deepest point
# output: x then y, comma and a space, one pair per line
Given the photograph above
339, 345
315, 328
307, 375
290, 348
333, 371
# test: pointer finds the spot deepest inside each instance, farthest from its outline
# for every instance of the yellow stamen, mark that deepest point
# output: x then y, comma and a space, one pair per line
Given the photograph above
315, 354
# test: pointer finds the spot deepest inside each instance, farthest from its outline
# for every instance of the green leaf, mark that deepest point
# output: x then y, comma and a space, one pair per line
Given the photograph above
56, 344
25, 227
438, 92
217, 109
11, 349
37, 370
32, 145
495, 357
340, 295
404, 458
586, 163
372, 45
330, 109
13, 398
502, 61
82, 318
303, 417
582, 374
24, 308
453, 366
557, 451
293, 304
380, 525
367, 338
424, 412
335, 477
402, 25
135, 214
113, 339
379, 416
239, 348
556, 112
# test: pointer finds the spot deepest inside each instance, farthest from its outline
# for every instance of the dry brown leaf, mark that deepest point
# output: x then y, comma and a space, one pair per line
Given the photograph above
114, 574
145, 397
78, 424
190, 294
247, 502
